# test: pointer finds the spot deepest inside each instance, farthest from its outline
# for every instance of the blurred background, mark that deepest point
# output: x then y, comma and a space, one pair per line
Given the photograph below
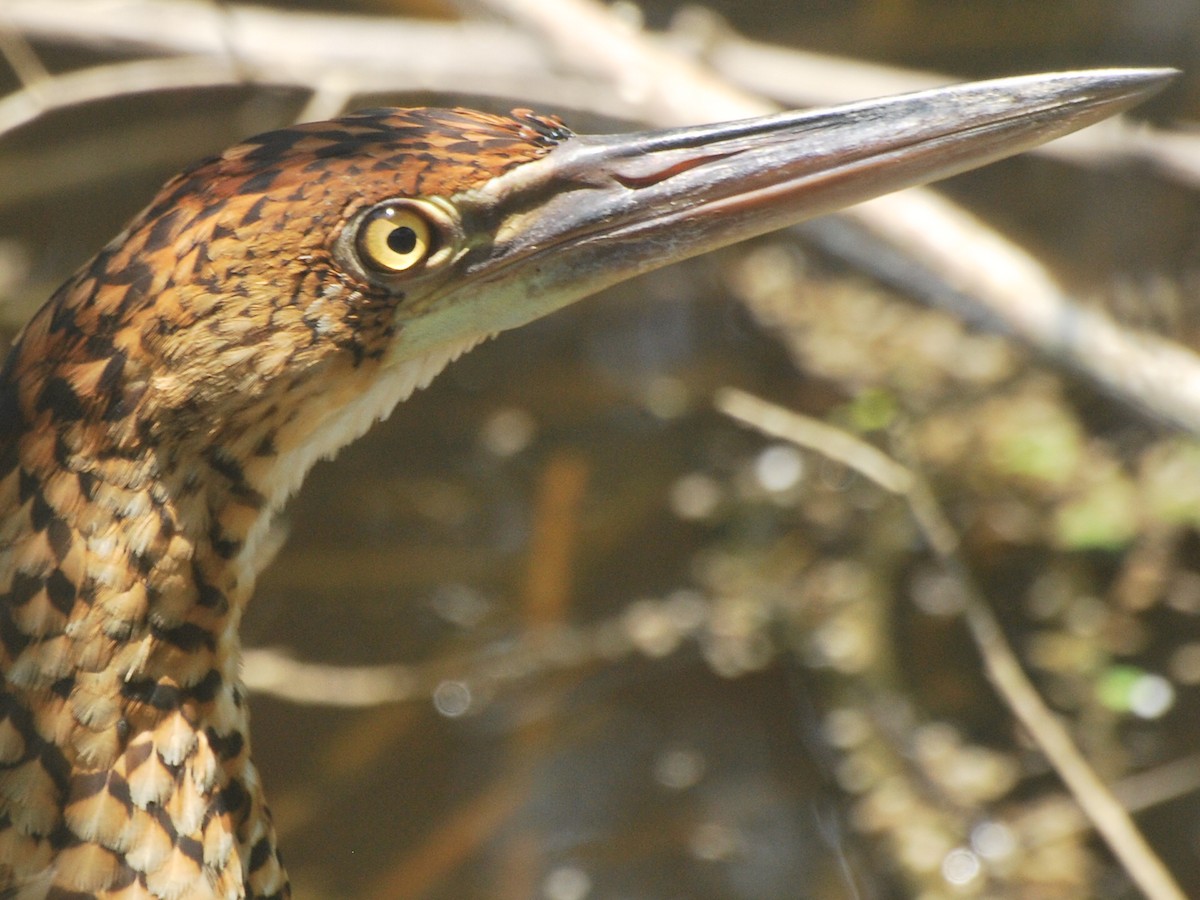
560, 628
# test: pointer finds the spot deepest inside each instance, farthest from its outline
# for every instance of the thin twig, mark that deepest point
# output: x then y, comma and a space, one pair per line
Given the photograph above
460, 832
352, 55
554, 542
501, 83
799, 78
1159, 785
113, 80
1003, 668
300, 47
663, 86
988, 279
21, 58
274, 672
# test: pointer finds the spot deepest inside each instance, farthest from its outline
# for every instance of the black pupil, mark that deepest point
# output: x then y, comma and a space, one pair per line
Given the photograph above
402, 240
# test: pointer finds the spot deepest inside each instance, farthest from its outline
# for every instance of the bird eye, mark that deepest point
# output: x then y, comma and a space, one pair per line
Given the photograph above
394, 239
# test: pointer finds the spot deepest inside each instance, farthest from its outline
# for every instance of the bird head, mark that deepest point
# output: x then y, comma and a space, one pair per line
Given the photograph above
272, 302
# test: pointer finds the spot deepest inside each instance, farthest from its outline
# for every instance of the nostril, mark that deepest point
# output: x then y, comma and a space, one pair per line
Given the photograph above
661, 174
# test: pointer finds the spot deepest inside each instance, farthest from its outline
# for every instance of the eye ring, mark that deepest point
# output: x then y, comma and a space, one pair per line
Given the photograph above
395, 238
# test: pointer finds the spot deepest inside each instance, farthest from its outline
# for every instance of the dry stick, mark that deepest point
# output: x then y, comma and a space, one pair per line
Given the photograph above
324, 54
273, 672
22, 58
798, 78
114, 80
993, 279
1003, 668
108, 81
554, 542
359, 749
550, 574
665, 87
1143, 790
459, 833
357, 53
302, 48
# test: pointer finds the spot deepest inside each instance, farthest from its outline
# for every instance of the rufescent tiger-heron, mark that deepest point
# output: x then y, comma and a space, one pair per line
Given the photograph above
268, 306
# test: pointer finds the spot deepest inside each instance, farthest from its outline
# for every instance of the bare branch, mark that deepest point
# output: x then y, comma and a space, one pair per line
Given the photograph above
274, 672
359, 54
1004, 670
664, 87
117, 79
989, 279
330, 56
21, 57
797, 78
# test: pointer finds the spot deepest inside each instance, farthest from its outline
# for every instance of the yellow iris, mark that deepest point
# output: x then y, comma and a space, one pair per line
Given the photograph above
394, 238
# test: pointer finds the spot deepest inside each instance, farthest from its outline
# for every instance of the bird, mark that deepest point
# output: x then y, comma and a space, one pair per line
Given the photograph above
268, 306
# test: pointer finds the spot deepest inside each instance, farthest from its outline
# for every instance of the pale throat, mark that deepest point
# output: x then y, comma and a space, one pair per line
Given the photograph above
194, 515
325, 421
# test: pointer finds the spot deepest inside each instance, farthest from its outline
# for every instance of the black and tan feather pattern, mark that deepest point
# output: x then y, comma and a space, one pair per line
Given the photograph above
142, 414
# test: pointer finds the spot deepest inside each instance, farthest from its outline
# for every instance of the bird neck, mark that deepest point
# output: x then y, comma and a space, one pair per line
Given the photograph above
124, 570
139, 469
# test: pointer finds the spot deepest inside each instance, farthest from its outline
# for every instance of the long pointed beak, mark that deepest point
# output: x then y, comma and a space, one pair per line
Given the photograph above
598, 210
